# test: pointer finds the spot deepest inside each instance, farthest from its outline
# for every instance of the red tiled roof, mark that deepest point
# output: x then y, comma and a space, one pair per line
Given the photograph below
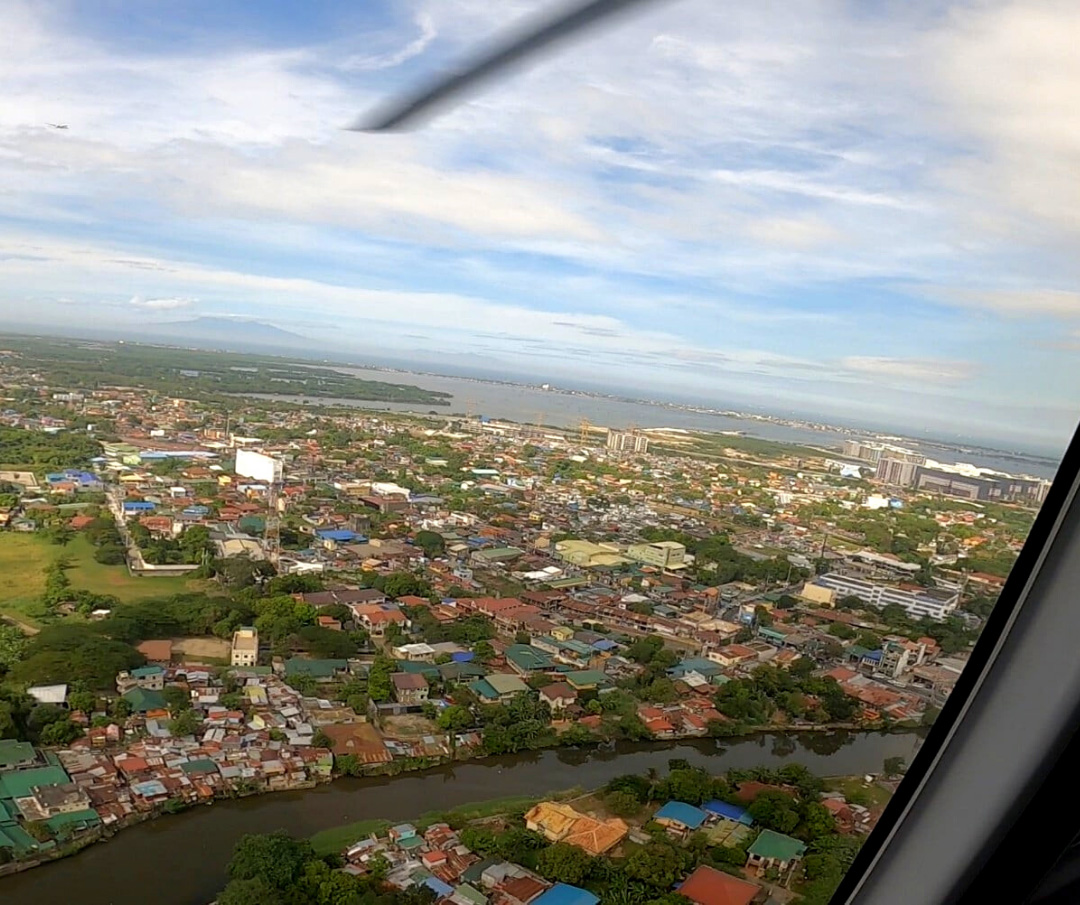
708, 886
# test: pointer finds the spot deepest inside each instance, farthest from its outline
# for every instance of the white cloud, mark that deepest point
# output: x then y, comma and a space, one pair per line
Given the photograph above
161, 304
1032, 302
914, 369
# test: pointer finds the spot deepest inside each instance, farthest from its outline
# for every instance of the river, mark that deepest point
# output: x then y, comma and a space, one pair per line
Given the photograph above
530, 404
181, 860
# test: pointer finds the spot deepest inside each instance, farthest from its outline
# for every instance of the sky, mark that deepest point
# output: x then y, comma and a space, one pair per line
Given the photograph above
859, 210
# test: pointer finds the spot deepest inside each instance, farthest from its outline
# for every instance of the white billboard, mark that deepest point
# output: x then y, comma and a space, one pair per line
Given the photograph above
255, 465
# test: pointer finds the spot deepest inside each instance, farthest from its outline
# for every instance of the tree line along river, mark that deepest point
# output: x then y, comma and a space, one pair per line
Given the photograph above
180, 860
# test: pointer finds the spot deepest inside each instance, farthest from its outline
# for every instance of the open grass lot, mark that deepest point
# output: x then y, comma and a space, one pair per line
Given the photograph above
856, 790
24, 558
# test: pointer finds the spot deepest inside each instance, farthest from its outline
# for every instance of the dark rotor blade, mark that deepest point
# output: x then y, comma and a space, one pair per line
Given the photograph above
512, 49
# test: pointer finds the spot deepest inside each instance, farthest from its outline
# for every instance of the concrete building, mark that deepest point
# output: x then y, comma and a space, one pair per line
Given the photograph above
980, 485
245, 647
875, 452
665, 554
936, 603
896, 472
627, 441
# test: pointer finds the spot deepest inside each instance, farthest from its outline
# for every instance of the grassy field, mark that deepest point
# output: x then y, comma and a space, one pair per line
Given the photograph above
857, 791
338, 838
24, 558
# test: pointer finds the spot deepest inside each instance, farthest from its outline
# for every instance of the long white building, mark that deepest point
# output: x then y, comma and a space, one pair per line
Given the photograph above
936, 603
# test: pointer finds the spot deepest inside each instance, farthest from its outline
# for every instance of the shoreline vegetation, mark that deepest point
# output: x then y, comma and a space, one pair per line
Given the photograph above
87, 364
659, 833
405, 766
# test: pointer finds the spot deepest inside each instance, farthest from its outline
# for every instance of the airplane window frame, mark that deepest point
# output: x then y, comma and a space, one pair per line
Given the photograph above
962, 792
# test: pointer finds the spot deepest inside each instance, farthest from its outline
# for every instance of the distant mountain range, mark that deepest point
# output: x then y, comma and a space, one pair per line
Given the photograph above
229, 333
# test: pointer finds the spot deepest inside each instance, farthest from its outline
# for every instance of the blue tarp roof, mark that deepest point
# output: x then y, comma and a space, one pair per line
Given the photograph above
565, 894
730, 811
337, 534
441, 889
681, 812
604, 644
463, 656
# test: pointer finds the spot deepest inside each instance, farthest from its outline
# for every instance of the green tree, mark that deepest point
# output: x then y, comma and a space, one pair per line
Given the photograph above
187, 722
431, 543
894, 766
86, 701
177, 699
454, 719
276, 858
622, 804
321, 740
379, 686
249, 891
775, 810
658, 865
13, 644
60, 733
564, 863
842, 631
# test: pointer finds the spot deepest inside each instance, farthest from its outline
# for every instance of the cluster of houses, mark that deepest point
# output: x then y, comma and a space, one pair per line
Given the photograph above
436, 859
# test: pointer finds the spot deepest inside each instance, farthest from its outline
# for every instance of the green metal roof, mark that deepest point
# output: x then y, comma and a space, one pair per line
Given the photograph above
144, 672
18, 783
777, 846
418, 668
76, 820
471, 893
584, 678
144, 699
203, 765
528, 658
317, 669
13, 752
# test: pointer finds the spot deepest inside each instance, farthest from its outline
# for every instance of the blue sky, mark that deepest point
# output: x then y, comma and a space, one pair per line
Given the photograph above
866, 211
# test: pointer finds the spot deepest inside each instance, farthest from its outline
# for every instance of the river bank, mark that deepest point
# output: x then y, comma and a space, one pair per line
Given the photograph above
395, 768
183, 858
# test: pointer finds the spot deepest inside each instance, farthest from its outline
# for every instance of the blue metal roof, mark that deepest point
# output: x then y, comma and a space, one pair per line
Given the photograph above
565, 894
681, 812
336, 534
138, 506
462, 656
437, 886
730, 811
604, 644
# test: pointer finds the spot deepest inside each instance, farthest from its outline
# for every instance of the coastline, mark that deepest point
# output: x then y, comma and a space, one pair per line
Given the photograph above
405, 767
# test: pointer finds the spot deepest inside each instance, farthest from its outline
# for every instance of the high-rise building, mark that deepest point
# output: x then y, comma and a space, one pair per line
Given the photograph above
627, 441
896, 472
875, 452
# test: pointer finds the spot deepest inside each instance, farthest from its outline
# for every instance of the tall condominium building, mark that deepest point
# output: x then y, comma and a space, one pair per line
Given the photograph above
627, 441
936, 603
875, 452
896, 472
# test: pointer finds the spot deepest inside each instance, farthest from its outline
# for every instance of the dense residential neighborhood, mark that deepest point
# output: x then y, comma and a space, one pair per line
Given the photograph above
210, 601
